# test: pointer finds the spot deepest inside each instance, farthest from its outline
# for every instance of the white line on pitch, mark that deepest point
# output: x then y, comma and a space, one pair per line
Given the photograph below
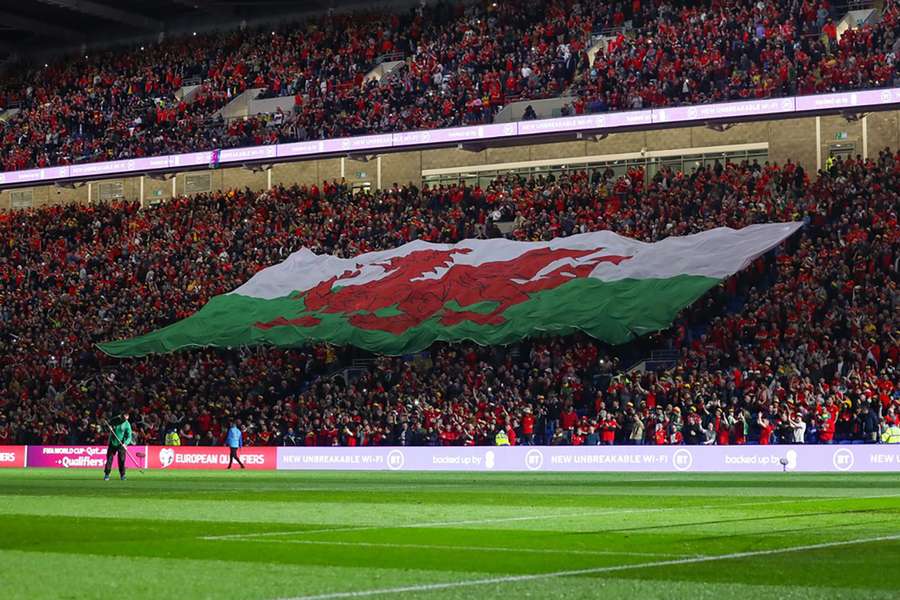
405, 526
429, 587
481, 548
242, 536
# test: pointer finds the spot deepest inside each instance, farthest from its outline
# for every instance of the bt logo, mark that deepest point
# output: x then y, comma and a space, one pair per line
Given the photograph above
843, 460
682, 460
534, 460
395, 460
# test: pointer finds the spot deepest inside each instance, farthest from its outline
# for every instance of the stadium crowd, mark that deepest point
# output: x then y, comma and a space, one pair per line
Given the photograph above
693, 53
800, 347
459, 65
460, 62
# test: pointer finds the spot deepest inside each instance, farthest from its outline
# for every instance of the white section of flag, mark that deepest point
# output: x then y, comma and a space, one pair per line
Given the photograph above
715, 253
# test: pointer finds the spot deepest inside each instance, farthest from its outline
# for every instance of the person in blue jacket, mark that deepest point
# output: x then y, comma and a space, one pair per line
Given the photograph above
234, 439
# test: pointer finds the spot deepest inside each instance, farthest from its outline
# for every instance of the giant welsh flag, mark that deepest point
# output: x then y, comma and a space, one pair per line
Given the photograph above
489, 291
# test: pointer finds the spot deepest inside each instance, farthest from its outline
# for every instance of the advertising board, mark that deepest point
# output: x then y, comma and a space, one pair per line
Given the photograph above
206, 457
710, 459
79, 457
12, 457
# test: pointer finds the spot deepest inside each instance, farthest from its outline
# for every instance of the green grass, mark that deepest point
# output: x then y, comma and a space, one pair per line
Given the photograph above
236, 535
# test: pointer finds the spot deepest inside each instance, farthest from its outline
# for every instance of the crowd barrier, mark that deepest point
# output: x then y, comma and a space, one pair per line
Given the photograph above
701, 459
745, 110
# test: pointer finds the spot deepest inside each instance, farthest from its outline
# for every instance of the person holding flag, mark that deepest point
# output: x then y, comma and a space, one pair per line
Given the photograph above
119, 438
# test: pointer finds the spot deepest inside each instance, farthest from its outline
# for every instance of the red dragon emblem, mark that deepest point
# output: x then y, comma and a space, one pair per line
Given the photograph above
416, 298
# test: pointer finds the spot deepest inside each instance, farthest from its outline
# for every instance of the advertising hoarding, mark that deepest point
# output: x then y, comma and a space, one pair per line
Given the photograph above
79, 457
697, 459
208, 457
12, 457
711, 459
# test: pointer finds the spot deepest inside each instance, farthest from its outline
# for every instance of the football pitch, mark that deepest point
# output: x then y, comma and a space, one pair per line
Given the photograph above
299, 536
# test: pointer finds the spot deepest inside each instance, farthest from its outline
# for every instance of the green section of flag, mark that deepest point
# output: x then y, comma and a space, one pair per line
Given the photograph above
484, 308
615, 312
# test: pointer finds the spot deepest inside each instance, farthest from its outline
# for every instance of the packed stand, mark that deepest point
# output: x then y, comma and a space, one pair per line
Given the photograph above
800, 347
694, 53
460, 64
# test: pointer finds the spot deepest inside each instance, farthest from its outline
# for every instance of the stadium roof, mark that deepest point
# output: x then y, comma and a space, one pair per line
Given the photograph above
32, 27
